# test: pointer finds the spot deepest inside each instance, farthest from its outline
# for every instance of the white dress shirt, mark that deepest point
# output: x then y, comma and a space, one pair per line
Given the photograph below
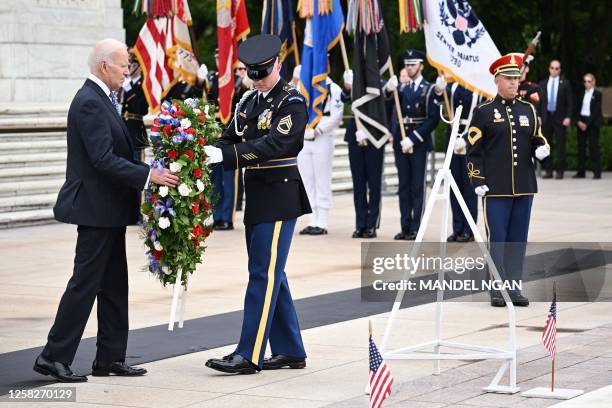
586, 103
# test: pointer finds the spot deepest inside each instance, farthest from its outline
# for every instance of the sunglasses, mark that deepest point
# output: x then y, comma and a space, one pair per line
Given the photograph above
555, 68
240, 69
587, 81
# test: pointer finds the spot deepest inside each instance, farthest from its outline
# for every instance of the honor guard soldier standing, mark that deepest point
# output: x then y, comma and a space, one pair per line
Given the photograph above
315, 160
460, 96
265, 137
135, 107
529, 91
366, 162
504, 136
420, 117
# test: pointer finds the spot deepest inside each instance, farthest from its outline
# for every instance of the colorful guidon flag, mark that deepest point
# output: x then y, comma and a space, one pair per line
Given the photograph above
458, 44
381, 379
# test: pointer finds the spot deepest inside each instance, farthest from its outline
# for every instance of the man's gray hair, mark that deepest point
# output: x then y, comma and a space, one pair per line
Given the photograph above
103, 51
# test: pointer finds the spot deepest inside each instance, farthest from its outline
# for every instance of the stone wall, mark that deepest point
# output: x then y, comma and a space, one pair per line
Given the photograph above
44, 46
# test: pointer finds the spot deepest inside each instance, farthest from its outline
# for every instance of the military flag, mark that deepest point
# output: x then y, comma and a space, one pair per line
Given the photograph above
458, 44
410, 15
371, 58
232, 26
277, 19
164, 48
324, 24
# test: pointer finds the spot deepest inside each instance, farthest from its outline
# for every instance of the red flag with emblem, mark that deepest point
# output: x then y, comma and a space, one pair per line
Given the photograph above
232, 25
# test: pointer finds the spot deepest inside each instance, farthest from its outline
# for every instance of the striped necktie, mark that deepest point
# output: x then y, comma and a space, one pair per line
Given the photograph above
115, 102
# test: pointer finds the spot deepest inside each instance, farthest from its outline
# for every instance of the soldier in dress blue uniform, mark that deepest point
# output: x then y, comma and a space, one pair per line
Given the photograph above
366, 163
135, 106
504, 136
419, 100
460, 96
264, 137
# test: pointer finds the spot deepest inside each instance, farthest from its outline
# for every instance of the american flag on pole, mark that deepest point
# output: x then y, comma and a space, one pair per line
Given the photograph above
380, 377
549, 336
164, 48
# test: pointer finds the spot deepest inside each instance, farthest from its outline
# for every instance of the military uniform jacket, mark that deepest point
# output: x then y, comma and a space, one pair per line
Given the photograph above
135, 105
266, 138
502, 139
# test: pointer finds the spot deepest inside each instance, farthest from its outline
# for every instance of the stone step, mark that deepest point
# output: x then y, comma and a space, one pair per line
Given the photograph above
27, 202
26, 218
25, 188
42, 146
32, 136
32, 172
32, 159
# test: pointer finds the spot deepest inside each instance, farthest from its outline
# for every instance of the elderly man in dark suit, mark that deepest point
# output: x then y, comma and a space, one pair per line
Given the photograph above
589, 121
556, 113
100, 196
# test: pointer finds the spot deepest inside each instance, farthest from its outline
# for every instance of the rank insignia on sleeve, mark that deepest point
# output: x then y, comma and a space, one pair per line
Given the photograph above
474, 134
523, 120
284, 125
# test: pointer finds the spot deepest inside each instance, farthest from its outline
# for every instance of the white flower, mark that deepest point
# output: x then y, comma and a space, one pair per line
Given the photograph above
192, 103
158, 246
163, 191
184, 189
164, 222
202, 244
185, 123
167, 271
175, 167
200, 185
145, 218
197, 111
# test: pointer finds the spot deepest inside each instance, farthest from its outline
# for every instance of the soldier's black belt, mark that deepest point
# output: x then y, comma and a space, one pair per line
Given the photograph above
270, 164
132, 116
414, 121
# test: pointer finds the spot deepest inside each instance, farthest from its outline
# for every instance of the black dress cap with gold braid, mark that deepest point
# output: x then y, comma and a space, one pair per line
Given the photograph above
259, 54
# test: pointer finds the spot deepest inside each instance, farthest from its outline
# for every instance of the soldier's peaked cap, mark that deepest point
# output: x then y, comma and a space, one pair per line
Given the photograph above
508, 65
259, 54
412, 56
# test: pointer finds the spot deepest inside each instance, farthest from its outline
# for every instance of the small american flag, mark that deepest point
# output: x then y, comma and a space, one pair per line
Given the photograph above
549, 336
380, 377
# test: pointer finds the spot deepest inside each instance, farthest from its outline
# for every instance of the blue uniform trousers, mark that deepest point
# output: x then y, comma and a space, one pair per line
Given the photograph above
366, 170
411, 190
458, 169
507, 224
224, 188
269, 313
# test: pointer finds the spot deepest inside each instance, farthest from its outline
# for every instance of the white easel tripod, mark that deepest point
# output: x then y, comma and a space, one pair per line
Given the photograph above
507, 357
175, 300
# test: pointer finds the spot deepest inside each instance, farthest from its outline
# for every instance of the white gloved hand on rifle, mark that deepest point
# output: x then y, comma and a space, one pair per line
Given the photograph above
481, 190
348, 77
406, 144
542, 152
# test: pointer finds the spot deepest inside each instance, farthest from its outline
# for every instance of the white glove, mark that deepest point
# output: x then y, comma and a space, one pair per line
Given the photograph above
406, 143
360, 136
348, 77
440, 83
392, 84
459, 144
481, 190
309, 134
542, 152
214, 154
297, 71
202, 72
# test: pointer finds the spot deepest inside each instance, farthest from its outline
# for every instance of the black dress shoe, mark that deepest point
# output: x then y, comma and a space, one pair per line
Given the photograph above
465, 238
318, 231
307, 230
400, 236
223, 225
411, 236
578, 175
547, 175
60, 371
102, 369
597, 177
559, 175
452, 237
369, 233
358, 233
498, 301
232, 364
519, 300
280, 361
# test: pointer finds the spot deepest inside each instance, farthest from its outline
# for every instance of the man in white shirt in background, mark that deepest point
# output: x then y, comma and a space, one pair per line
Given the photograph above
589, 121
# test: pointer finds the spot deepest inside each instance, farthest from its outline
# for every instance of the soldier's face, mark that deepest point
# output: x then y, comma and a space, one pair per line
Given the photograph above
264, 85
507, 87
413, 70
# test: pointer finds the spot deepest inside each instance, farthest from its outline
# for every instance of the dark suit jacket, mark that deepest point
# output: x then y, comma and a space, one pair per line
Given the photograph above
596, 118
564, 101
102, 178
